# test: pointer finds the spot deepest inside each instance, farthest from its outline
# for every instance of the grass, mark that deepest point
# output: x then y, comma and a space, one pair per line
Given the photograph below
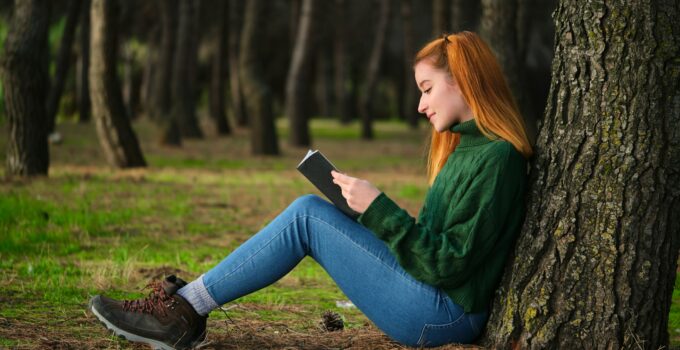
89, 229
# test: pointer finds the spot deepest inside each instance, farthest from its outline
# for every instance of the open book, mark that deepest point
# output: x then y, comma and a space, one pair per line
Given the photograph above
317, 169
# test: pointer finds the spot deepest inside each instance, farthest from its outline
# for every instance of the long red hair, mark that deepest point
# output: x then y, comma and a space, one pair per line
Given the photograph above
474, 67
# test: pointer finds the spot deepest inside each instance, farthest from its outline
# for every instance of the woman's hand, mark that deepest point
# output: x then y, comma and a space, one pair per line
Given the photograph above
358, 193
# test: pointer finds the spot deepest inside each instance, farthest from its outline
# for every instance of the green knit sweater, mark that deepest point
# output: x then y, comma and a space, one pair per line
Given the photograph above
468, 224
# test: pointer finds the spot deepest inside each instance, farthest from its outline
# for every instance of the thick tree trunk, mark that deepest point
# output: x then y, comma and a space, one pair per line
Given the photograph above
64, 58
340, 62
503, 26
219, 70
82, 75
258, 99
297, 84
25, 83
595, 264
116, 136
408, 87
185, 61
373, 70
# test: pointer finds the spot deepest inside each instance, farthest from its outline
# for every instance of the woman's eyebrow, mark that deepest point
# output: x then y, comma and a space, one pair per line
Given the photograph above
421, 83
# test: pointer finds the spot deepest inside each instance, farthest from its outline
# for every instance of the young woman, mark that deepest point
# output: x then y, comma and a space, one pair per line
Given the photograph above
424, 283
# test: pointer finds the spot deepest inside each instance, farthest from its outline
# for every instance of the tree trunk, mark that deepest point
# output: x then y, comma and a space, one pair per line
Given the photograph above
163, 80
219, 70
82, 76
116, 136
503, 26
297, 84
595, 264
64, 58
258, 99
409, 110
464, 15
440, 23
235, 89
373, 71
340, 62
132, 81
25, 82
183, 83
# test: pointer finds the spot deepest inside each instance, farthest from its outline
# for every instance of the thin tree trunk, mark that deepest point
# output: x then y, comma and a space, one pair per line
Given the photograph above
440, 23
161, 105
219, 70
64, 58
408, 87
116, 136
373, 70
258, 99
183, 83
297, 83
235, 89
25, 83
502, 30
595, 263
340, 62
464, 15
82, 76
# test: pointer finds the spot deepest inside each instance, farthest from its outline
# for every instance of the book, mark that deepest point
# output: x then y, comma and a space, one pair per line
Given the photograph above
317, 169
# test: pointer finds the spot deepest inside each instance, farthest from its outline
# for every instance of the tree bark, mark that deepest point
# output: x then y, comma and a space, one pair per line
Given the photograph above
82, 76
297, 84
185, 61
219, 70
373, 71
503, 26
595, 263
235, 90
256, 92
64, 58
116, 136
25, 83
340, 62
409, 110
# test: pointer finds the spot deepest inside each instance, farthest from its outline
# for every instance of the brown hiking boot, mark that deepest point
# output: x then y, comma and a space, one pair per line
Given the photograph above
163, 320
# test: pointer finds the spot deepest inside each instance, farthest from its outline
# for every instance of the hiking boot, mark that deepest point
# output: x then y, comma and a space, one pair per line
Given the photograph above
163, 319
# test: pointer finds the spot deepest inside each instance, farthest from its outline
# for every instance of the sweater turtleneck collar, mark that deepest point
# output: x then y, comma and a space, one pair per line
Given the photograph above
469, 134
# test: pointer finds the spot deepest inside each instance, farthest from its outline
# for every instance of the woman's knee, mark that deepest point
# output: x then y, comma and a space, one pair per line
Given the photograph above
306, 201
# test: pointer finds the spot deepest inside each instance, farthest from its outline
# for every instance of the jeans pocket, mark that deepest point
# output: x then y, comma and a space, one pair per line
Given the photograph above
457, 331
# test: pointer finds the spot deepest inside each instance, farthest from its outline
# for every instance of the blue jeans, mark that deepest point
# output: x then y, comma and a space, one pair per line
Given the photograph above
408, 311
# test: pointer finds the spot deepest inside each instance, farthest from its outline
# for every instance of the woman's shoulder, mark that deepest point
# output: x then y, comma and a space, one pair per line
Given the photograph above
503, 150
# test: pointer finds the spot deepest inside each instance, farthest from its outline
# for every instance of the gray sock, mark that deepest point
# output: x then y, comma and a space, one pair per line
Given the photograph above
196, 294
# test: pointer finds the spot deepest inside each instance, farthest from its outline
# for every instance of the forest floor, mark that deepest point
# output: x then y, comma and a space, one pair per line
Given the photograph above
90, 229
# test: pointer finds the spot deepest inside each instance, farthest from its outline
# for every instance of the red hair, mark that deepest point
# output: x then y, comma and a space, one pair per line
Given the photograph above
474, 67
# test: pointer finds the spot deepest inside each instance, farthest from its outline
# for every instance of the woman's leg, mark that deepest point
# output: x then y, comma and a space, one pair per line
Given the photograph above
408, 311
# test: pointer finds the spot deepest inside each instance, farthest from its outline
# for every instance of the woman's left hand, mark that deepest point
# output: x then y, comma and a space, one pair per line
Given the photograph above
358, 193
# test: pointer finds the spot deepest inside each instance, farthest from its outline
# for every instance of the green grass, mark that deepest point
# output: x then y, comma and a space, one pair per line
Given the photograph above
87, 229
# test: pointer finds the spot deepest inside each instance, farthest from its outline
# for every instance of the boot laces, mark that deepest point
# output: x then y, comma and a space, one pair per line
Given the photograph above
157, 299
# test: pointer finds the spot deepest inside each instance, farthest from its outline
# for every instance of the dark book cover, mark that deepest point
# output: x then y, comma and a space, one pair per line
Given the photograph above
317, 169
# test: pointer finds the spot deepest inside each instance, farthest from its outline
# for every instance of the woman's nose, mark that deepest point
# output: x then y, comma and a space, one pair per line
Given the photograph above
422, 106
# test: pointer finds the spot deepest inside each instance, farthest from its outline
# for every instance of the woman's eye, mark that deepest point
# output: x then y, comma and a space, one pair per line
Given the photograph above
427, 91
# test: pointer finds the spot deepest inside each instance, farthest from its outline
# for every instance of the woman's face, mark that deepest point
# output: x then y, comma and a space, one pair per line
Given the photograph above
441, 100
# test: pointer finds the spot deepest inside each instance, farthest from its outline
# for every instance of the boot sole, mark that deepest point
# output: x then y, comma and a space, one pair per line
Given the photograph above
157, 345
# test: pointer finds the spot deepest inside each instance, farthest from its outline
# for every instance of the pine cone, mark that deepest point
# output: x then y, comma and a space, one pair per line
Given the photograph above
331, 321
